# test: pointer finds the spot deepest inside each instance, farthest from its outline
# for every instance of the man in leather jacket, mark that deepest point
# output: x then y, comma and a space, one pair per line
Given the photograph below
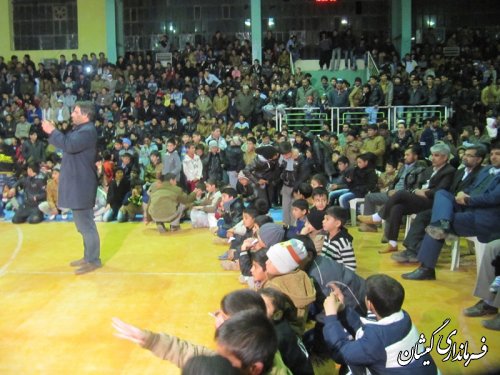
406, 179
263, 171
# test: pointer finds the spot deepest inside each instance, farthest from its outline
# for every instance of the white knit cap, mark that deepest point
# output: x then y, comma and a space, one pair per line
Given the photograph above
286, 256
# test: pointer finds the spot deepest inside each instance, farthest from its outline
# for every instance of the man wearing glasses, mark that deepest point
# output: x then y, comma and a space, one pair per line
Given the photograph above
471, 160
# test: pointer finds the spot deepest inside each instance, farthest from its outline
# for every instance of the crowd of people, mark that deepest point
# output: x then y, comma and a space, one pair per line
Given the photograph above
197, 140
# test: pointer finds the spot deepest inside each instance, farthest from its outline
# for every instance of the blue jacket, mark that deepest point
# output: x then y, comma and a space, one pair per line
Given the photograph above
484, 201
377, 344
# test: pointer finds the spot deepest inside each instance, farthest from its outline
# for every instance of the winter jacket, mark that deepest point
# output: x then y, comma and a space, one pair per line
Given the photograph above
299, 287
363, 181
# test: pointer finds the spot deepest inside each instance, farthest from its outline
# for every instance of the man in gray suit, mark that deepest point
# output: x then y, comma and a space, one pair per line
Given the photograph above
78, 179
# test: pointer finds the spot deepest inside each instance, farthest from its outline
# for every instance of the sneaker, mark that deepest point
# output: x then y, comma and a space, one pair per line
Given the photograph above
405, 256
495, 285
367, 219
64, 216
388, 249
480, 309
52, 217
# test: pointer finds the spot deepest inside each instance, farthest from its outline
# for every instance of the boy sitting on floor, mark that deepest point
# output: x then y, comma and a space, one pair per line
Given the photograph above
232, 211
281, 267
338, 242
314, 224
300, 209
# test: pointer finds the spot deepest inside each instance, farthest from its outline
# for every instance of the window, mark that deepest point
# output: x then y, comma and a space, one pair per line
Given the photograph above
45, 24
197, 12
226, 13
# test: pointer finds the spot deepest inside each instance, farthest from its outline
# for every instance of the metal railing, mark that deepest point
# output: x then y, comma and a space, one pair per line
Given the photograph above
316, 118
371, 68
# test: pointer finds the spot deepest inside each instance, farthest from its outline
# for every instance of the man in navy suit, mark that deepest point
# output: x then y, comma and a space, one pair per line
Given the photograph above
78, 181
473, 212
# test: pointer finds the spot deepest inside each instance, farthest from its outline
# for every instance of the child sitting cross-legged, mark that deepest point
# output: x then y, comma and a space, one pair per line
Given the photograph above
314, 226
300, 209
381, 346
132, 206
245, 228
203, 212
232, 212
281, 267
230, 259
337, 241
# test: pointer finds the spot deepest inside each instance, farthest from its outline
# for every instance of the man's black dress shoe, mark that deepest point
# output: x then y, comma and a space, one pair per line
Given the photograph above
421, 273
480, 309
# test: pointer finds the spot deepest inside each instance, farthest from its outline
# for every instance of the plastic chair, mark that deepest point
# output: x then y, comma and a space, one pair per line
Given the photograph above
353, 204
409, 220
455, 252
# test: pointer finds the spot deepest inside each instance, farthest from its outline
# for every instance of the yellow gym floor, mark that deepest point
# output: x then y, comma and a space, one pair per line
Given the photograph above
53, 322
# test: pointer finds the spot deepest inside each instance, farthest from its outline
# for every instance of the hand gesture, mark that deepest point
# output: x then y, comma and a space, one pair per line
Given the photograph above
247, 243
334, 302
332, 305
128, 332
308, 228
48, 126
336, 290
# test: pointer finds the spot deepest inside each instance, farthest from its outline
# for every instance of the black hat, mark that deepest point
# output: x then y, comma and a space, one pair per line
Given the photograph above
315, 218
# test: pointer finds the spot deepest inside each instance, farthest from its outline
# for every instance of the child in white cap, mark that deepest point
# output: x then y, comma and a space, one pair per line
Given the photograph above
283, 274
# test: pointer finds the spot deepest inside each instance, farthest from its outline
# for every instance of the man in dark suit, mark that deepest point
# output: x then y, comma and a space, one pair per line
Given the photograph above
78, 180
464, 177
436, 177
473, 212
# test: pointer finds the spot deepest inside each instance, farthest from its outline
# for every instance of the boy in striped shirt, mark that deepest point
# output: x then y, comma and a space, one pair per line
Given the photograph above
338, 242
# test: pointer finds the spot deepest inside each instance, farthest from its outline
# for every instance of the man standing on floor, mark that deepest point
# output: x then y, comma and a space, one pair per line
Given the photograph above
78, 180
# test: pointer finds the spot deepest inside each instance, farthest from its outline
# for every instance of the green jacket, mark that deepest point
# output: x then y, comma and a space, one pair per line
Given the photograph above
164, 200
245, 103
376, 146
